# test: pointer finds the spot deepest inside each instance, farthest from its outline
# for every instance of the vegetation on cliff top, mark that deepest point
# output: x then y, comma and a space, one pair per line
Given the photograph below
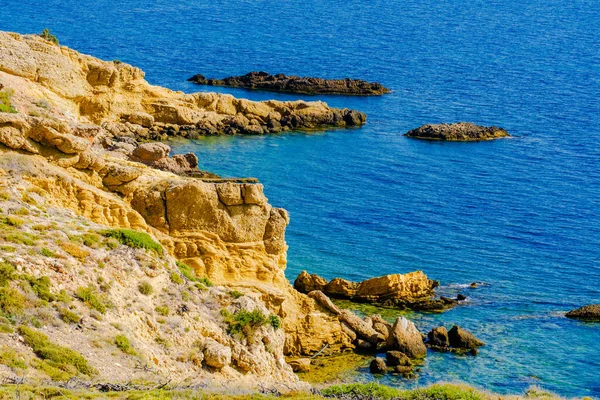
49, 36
369, 391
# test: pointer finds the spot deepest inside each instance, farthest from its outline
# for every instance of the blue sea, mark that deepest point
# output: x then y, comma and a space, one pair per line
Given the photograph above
520, 214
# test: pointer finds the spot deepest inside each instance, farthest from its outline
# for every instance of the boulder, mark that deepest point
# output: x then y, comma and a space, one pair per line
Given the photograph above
362, 329
300, 365
394, 358
306, 283
324, 301
406, 338
411, 285
179, 164
378, 366
216, 355
590, 312
461, 131
151, 152
341, 288
439, 337
463, 339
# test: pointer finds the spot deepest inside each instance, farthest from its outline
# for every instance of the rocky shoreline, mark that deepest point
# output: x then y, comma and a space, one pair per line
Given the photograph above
295, 84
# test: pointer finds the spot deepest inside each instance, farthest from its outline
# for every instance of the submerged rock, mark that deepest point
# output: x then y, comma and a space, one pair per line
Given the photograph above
378, 366
461, 131
463, 339
295, 84
395, 358
590, 312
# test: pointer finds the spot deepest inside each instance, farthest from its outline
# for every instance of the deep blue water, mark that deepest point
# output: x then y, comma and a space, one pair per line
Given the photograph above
520, 214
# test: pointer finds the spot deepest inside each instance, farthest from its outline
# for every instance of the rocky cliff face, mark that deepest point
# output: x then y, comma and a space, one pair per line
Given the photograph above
54, 161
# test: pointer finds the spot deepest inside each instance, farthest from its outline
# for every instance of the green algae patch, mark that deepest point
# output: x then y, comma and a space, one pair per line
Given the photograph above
364, 309
335, 368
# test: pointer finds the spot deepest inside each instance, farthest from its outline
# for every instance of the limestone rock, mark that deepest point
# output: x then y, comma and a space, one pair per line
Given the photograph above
406, 338
300, 364
306, 282
362, 329
394, 358
439, 337
461, 131
411, 285
216, 355
150, 152
341, 288
462, 339
589, 313
179, 164
378, 366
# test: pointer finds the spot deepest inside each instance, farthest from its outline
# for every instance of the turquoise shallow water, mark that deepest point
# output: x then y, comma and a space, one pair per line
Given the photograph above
520, 214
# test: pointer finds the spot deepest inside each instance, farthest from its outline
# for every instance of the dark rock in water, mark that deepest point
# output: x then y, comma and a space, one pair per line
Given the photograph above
461, 297
461, 131
378, 366
439, 337
473, 285
394, 358
295, 84
404, 369
590, 312
462, 339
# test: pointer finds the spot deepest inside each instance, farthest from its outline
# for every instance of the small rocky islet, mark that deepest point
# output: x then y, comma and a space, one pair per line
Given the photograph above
457, 132
295, 84
590, 312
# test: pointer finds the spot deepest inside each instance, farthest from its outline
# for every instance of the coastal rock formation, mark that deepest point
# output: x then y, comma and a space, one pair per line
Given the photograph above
439, 337
116, 96
378, 366
73, 165
413, 290
295, 84
406, 338
461, 131
463, 339
590, 312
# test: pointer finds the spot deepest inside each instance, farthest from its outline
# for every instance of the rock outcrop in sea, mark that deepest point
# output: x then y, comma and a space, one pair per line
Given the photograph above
295, 84
589, 312
458, 132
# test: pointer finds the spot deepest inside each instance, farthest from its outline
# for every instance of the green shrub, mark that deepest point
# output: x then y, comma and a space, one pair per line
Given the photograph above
12, 301
5, 104
162, 310
40, 286
57, 356
235, 294
360, 391
243, 321
5, 328
68, 316
190, 274
275, 321
145, 288
49, 36
91, 298
12, 221
7, 273
176, 278
122, 342
133, 239
10, 358
47, 253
